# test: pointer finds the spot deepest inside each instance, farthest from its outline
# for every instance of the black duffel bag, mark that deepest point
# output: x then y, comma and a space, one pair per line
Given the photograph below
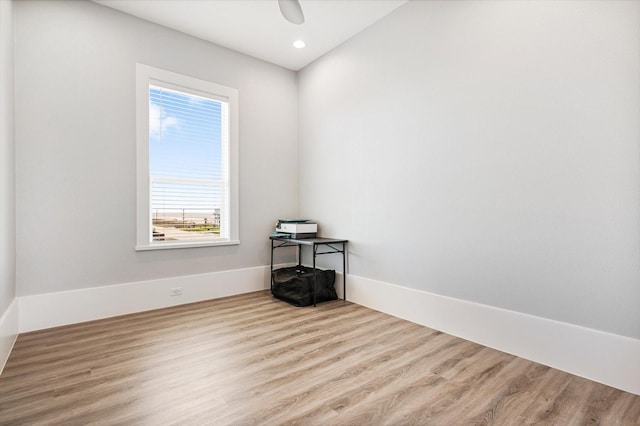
294, 285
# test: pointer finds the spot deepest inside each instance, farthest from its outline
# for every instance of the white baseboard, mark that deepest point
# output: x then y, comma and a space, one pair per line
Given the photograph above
48, 310
8, 332
603, 357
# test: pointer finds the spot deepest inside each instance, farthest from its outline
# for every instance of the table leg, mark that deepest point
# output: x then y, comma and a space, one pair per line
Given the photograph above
314, 274
271, 274
344, 271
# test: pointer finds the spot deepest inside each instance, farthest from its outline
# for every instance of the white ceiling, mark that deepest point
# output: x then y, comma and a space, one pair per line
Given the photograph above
257, 28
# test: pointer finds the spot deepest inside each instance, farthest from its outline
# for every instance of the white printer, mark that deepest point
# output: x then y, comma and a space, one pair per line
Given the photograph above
297, 228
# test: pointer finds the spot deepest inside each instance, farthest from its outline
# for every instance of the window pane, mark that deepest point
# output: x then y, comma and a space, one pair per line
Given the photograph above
185, 165
184, 135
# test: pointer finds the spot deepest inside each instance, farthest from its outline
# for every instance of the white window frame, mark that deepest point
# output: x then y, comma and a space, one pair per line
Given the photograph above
146, 76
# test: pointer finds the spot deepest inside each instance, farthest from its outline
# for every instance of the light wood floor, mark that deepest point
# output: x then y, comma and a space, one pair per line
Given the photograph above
249, 359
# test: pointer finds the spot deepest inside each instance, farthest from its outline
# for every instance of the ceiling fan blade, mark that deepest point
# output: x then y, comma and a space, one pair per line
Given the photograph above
292, 11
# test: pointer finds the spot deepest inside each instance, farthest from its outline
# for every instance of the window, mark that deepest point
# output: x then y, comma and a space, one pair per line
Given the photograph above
187, 158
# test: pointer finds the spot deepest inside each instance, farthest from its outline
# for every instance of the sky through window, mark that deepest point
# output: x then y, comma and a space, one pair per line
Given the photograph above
185, 137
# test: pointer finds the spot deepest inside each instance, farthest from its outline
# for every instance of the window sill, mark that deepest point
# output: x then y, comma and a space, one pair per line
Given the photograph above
166, 246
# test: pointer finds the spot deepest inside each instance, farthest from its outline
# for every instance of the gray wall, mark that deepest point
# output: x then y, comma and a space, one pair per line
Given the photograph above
7, 162
488, 151
75, 137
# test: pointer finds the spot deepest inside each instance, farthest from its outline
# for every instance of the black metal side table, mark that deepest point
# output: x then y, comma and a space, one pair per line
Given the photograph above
328, 245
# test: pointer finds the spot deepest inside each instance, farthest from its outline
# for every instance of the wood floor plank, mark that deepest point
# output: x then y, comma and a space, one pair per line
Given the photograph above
251, 359
312, 393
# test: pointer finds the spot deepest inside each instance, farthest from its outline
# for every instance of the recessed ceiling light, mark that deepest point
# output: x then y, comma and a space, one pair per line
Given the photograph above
299, 44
